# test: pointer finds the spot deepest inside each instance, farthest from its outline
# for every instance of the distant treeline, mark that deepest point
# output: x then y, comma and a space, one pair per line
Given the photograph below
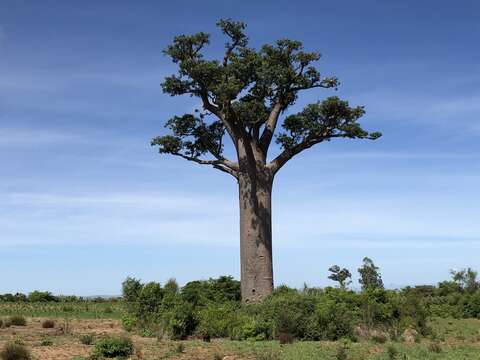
46, 296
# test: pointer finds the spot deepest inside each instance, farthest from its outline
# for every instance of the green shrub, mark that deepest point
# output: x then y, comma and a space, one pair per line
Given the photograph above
180, 348
13, 351
128, 323
251, 328
331, 320
41, 296
215, 320
147, 333
392, 352
341, 353
179, 320
46, 341
267, 355
86, 339
48, 324
112, 347
435, 347
17, 320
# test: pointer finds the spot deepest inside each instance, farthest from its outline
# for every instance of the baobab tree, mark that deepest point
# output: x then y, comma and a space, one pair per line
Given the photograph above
244, 96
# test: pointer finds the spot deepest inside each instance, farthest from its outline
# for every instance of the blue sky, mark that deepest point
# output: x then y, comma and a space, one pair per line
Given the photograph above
85, 201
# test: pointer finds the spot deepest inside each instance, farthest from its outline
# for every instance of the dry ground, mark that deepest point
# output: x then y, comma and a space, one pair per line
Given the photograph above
457, 339
66, 343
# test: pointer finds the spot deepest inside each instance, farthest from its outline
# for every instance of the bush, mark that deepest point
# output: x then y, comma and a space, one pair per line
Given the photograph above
392, 352
179, 321
180, 348
215, 321
112, 347
331, 320
48, 324
285, 338
128, 323
341, 353
86, 339
13, 351
17, 320
46, 341
41, 296
434, 347
251, 328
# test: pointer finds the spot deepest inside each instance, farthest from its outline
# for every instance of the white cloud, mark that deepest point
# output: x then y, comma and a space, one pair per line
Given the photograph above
169, 218
27, 137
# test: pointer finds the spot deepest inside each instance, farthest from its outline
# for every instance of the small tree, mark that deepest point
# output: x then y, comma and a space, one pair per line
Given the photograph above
243, 97
342, 276
370, 278
466, 279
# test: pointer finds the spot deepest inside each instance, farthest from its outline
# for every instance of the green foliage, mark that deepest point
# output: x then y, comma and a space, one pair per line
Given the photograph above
114, 347
180, 348
245, 89
212, 309
342, 276
466, 279
179, 320
128, 322
46, 341
41, 296
341, 353
215, 320
370, 278
392, 352
333, 318
87, 339
17, 320
12, 351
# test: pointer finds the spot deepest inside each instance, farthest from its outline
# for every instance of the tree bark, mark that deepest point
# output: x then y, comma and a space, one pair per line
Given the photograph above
255, 192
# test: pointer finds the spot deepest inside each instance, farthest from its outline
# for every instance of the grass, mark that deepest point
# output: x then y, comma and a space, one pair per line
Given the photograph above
451, 339
76, 310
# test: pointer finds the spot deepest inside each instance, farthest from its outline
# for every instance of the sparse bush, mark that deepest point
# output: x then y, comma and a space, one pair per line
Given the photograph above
180, 348
379, 338
341, 353
128, 323
41, 296
267, 355
285, 338
217, 356
392, 352
17, 320
48, 324
113, 347
13, 351
435, 347
46, 341
86, 339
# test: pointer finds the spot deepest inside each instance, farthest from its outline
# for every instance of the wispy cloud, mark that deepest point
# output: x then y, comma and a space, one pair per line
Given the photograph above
28, 137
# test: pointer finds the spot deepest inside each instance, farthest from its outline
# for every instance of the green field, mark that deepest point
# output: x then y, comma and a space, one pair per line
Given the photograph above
77, 310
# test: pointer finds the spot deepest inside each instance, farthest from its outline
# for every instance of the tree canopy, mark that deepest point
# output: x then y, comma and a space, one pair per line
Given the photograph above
243, 96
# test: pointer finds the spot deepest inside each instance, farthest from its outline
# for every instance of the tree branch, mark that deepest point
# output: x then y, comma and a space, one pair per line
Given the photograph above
224, 165
277, 163
270, 126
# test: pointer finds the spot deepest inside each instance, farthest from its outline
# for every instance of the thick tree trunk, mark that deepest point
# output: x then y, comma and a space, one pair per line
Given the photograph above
255, 190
